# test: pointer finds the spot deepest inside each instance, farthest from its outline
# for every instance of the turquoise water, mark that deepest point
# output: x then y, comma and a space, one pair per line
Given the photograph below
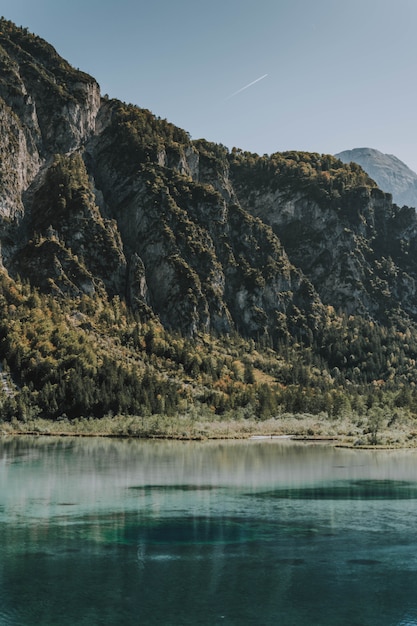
96, 531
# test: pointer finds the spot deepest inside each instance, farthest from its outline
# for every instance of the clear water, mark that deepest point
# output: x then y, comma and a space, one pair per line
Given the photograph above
96, 531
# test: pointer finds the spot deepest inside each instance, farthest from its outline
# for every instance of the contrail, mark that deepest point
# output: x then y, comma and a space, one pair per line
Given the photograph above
246, 86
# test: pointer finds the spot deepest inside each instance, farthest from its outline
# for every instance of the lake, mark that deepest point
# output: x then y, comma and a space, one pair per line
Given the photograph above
264, 532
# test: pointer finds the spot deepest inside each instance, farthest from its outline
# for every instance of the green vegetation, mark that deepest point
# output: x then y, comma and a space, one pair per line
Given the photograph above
30, 46
79, 365
322, 177
136, 136
170, 286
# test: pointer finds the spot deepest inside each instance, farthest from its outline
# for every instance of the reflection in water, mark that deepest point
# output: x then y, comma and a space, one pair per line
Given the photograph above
102, 531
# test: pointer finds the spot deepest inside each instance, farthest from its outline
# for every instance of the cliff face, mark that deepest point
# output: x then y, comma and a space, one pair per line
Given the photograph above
341, 247
47, 108
100, 197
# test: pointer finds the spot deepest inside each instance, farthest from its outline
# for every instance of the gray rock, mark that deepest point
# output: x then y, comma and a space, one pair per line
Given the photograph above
390, 174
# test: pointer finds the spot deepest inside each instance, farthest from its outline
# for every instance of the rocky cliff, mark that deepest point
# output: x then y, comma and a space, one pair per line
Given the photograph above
102, 197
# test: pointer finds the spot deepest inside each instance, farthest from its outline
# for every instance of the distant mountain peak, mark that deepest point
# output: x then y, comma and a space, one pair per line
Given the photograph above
388, 171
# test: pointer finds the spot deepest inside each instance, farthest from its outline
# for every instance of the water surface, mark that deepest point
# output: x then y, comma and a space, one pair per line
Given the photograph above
96, 531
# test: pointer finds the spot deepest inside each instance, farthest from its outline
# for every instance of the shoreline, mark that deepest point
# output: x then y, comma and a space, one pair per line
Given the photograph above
308, 429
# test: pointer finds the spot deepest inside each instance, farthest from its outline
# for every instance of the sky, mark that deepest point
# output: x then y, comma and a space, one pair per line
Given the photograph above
261, 75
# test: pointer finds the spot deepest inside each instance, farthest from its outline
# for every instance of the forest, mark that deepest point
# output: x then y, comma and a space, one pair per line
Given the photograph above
152, 283
93, 359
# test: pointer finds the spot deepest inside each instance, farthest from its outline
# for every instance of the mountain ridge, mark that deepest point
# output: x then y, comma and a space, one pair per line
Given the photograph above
390, 173
193, 263
131, 159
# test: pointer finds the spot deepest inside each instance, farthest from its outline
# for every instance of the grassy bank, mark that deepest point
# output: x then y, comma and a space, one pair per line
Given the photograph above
374, 430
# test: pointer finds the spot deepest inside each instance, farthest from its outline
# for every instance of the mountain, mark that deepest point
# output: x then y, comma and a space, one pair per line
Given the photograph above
145, 272
390, 174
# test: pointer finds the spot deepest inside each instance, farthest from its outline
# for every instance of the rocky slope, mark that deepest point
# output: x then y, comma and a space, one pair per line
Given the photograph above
390, 174
100, 197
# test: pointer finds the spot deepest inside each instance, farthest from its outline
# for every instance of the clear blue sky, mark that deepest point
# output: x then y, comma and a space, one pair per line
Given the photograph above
340, 74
